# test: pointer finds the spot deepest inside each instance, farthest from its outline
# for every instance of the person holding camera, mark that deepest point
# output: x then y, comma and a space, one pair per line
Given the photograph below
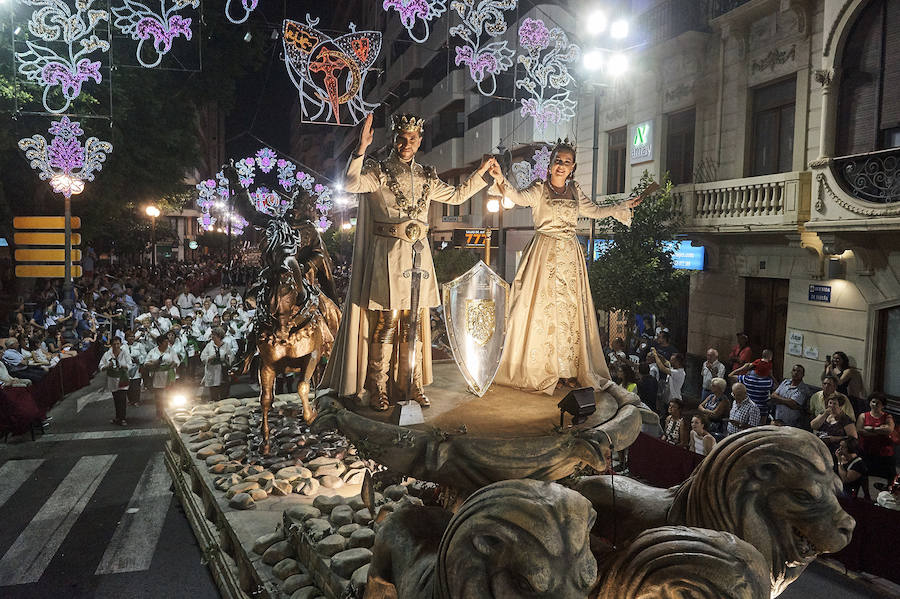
116, 363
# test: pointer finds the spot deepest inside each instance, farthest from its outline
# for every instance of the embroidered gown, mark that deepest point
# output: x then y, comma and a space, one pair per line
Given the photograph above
552, 331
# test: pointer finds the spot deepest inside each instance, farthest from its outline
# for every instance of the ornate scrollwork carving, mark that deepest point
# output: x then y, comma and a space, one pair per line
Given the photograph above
824, 77
774, 58
825, 189
873, 178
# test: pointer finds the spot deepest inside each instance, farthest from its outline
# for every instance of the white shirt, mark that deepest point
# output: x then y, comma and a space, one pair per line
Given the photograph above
123, 360
717, 370
213, 372
185, 303
172, 311
166, 358
676, 380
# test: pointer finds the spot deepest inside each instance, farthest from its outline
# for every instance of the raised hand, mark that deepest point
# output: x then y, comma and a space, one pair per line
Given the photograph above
495, 171
366, 135
487, 164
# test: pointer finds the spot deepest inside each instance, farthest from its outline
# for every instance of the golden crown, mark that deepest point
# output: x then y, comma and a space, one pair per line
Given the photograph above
407, 123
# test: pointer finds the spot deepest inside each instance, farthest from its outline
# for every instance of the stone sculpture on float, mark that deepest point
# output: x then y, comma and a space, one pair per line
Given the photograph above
755, 513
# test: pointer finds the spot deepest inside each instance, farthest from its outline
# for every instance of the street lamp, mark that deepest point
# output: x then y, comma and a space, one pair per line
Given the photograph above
153, 212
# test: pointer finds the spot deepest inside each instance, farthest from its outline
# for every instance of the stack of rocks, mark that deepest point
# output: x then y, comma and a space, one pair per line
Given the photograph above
225, 436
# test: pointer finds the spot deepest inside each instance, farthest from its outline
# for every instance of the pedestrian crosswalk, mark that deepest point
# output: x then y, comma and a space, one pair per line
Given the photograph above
133, 542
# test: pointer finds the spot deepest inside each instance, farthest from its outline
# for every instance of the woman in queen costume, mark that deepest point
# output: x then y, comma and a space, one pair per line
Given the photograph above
552, 334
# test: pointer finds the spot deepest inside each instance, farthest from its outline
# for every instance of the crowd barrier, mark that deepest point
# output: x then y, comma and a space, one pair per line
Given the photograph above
877, 529
23, 407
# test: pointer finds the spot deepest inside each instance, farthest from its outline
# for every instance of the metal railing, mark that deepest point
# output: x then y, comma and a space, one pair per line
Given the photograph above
872, 177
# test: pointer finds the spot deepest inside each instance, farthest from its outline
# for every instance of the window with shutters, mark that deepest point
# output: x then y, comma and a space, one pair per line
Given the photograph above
772, 129
617, 152
868, 103
680, 147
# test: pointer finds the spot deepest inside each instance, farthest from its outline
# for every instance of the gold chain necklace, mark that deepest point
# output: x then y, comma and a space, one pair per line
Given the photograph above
412, 208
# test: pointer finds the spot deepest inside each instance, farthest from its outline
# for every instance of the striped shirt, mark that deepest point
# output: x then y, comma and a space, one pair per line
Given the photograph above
758, 389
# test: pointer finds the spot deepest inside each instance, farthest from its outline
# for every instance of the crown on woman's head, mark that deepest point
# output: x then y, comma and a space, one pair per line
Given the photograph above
407, 123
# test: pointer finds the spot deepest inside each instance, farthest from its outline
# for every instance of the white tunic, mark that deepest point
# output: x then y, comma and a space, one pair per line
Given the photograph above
123, 360
168, 361
215, 360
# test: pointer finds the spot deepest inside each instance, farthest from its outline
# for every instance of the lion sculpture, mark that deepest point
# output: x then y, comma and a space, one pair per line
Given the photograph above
771, 486
510, 539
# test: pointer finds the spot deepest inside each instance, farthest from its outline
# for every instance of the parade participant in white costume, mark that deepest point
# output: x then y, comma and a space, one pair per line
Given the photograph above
393, 215
161, 362
170, 310
210, 311
138, 354
155, 322
552, 333
185, 302
221, 300
217, 356
116, 363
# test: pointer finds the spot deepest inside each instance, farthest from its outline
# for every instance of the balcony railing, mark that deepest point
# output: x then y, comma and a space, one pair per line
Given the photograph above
717, 8
872, 177
767, 203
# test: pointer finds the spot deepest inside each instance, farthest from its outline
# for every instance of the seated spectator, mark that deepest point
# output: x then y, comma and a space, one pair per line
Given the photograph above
629, 378
874, 428
833, 425
790, 399
7, 380
675, 430
715, 407
711, 369
744, 414
820, 398
740, 353
16, 364
616, 352
849, 379
702, 441
890, 498
851, 468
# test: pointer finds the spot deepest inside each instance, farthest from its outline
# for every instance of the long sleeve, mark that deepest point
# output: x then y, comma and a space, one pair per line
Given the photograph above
587, 208
448, 194
105, 360
208, 352
530, 196
357, 180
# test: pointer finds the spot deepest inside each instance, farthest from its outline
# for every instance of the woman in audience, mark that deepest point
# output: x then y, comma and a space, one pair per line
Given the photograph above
849, 379
701, 441
875, 428
716, 406
675, 430
850, 466
833, 425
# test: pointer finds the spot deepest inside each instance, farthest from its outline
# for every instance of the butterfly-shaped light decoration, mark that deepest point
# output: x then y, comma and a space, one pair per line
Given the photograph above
546, 77
412, 10
243, 13
485, 61
528, 172
65, 37
64, 161
273, 182
162, 24
330, 73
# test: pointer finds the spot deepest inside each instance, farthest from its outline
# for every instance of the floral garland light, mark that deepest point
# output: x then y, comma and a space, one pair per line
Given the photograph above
528, 172
485, 61
215, 196
412, 10
546, 73
66, 37
65, 162
138, 20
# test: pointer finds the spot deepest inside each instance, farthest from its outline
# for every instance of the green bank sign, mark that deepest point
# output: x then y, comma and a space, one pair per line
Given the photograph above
642, 143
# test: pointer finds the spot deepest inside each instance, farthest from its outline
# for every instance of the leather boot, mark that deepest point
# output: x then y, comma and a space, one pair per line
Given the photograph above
418, 392
377, 376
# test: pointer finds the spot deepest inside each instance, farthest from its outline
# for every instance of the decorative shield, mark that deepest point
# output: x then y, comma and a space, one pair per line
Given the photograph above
475, 309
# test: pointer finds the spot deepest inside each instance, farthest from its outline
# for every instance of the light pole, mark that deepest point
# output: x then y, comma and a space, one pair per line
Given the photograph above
153, 212
612, 64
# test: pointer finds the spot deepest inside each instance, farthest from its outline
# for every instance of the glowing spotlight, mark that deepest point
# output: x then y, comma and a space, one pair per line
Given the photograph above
493, 205
596, 22
346, 226
593, 60
619, 29
178, 401
617, 65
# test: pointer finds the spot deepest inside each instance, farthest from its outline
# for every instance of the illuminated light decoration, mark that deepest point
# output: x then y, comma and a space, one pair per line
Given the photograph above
269, 202
412, 10
247, 7
65, 162
136, 19
213, 196
48, 63
330, 73
536, 170
265, 159
206, 221
286, 174
486, 61
548, 52
245, 170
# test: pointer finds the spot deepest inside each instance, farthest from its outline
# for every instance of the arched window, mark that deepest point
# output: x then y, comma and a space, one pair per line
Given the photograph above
869, 105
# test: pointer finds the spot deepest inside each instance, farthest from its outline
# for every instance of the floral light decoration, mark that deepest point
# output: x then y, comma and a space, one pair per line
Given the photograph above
214, 197
243, 13
330, 73
59, 56
65, 162
163, 25
412, 10
536, 170
485, 61
546, 77
270, 194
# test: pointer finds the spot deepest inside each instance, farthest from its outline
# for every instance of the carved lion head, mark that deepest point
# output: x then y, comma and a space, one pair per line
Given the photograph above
518, 538
774, 488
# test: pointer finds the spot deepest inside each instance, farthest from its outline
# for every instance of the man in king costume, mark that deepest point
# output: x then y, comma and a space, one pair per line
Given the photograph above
393, 215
